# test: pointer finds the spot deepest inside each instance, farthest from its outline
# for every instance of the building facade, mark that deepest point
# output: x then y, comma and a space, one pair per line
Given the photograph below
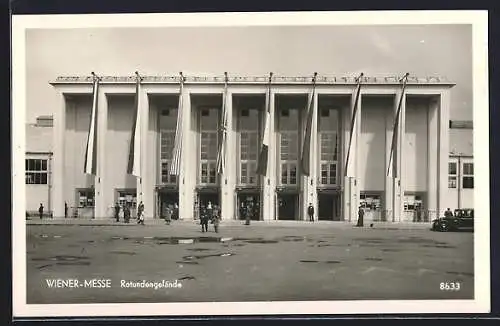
336, 186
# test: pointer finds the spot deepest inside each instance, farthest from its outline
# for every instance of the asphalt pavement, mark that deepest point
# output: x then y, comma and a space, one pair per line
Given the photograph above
283, 261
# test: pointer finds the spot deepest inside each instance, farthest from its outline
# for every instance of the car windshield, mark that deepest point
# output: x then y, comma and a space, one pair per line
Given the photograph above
464, 213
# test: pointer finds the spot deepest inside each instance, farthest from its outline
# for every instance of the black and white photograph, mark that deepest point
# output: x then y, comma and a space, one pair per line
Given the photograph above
250, 163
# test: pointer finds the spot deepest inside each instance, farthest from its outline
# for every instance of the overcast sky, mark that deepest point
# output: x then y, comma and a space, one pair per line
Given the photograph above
421, 50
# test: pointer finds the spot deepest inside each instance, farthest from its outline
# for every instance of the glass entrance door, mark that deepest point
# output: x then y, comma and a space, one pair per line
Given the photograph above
288, 206
249, 202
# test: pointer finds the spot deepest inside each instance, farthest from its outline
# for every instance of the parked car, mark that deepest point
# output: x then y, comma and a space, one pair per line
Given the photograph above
462, 219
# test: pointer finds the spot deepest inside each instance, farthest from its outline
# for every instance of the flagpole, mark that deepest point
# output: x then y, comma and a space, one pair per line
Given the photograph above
353, 120
175, 164
404, 80
91, 147
306, 146
264, 149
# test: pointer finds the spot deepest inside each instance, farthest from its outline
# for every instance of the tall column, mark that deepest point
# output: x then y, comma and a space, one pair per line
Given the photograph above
101, 207
187, 176
228, 182
351, 178
432, 159
388, 213
269, 186
58, 158
145, 184
398, 185
309, 183
443, 156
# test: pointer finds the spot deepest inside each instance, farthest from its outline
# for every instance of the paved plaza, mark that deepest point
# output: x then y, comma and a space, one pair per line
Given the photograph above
261, 262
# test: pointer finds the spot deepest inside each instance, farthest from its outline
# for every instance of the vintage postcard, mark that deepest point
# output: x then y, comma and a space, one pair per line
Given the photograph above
250, 163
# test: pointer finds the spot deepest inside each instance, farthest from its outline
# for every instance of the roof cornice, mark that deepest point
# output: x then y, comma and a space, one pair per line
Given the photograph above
278, 80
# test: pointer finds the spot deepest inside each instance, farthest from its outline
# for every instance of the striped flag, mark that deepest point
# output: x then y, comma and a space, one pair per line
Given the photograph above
175, 166
354, 111
221, 153
395, 132
306, 146
90, 166
134, 157
264, 150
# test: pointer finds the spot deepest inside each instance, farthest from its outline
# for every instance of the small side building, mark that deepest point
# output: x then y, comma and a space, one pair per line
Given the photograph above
38, 164
461, 166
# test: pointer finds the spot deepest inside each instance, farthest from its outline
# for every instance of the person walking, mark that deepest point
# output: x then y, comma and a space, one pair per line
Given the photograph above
361, 215
216, 219
40, 210
140, 213
117, 212
310, 212
448, 213
65, 210
168, 215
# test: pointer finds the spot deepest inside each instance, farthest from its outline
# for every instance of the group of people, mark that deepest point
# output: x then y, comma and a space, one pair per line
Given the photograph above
209, 214
126, 212
170, 212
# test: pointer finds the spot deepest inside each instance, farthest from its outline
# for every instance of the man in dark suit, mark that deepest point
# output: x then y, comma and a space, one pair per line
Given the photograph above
40, 210
310, 212
361, 215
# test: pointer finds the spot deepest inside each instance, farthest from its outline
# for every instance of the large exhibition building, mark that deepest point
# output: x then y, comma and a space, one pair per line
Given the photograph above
340, 143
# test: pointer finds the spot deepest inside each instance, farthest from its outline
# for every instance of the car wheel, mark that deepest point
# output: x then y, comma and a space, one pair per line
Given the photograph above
443, 227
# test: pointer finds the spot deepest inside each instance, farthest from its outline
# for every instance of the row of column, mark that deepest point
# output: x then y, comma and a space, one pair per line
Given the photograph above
394, 187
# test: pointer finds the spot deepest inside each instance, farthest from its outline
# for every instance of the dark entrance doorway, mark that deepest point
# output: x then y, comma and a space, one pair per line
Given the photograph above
249, 200
288, 206
210, 195
329, 207
168, 198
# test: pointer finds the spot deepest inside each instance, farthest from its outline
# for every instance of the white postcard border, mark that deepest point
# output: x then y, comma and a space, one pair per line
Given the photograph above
478, 19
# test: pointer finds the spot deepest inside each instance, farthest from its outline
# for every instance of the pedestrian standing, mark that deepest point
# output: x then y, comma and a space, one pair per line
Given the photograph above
310, 212
126, 213
361, 214
65, 210
40, 210
204, 220
175, 212
448, 213
248, 212
242, 210
117, 212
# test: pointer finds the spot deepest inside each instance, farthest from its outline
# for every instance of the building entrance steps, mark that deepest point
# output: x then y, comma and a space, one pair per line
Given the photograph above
258, 224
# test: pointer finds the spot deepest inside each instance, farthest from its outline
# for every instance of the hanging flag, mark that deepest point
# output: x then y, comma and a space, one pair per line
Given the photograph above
175, 166
395, 131
134, 163
264, 150
354, 111
221, 153
307, 145
90, 166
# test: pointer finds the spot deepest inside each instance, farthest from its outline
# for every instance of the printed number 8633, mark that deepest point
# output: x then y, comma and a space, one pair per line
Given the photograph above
450, 286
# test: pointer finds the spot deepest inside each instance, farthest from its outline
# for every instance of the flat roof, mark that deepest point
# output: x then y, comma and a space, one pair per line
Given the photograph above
320, 80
